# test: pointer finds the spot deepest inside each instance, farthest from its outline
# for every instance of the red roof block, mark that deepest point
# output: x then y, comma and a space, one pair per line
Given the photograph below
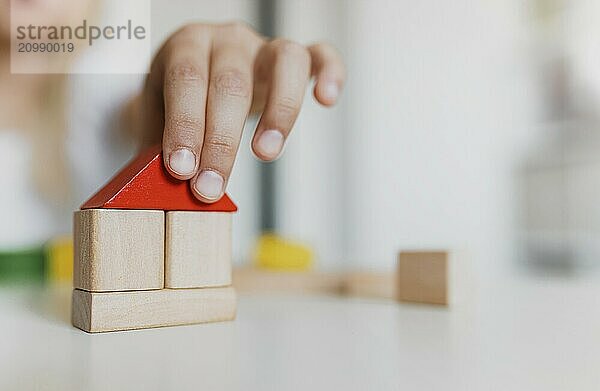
144, 183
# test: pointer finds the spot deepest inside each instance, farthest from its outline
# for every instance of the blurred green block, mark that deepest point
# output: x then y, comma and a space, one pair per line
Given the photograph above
24, 266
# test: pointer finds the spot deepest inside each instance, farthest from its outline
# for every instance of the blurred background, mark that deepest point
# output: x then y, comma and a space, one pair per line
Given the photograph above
464, 125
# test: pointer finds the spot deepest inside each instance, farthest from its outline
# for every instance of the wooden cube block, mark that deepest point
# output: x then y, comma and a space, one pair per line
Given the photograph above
118, 250
113, 311
198, 249
423, 277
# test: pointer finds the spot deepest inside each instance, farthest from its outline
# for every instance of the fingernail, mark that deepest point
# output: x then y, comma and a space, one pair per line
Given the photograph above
182, 161
270, 143
210, 185
331, 90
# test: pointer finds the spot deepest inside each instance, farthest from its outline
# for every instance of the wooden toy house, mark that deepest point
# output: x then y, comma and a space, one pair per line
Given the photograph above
149, 254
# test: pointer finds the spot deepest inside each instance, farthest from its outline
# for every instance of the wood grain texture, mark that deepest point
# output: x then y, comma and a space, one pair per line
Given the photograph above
369, 284
197, 250
114, 311
118, 250
423, 277
144, 183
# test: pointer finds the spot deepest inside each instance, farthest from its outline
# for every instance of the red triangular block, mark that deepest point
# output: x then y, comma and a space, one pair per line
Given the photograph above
144, 183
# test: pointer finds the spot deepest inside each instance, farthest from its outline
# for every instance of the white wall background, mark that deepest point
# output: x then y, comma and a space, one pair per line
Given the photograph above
311, 174
419, 153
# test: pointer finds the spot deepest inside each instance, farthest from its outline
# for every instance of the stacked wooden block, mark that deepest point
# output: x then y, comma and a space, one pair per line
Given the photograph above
139, 268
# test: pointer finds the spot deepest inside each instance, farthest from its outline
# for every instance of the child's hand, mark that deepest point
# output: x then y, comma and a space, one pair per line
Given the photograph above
205, 80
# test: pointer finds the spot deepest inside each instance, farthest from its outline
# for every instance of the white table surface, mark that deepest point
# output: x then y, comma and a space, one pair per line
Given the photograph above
526, 335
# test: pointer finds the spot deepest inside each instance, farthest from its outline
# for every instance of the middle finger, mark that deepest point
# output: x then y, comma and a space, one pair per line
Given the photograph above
228, 105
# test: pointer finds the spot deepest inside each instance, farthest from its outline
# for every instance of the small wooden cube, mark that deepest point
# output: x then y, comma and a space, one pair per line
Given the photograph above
118, 250
423, 277
198, 249
96, 312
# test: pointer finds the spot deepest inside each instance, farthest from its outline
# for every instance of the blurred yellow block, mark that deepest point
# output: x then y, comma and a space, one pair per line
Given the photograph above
59, 259
276, 253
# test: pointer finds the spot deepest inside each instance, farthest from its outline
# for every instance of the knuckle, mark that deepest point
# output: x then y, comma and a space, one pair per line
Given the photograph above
232, 82
286, 107
191, 30
186, 72
291, 48
220, 146
186, 126
238, 27
324, 47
